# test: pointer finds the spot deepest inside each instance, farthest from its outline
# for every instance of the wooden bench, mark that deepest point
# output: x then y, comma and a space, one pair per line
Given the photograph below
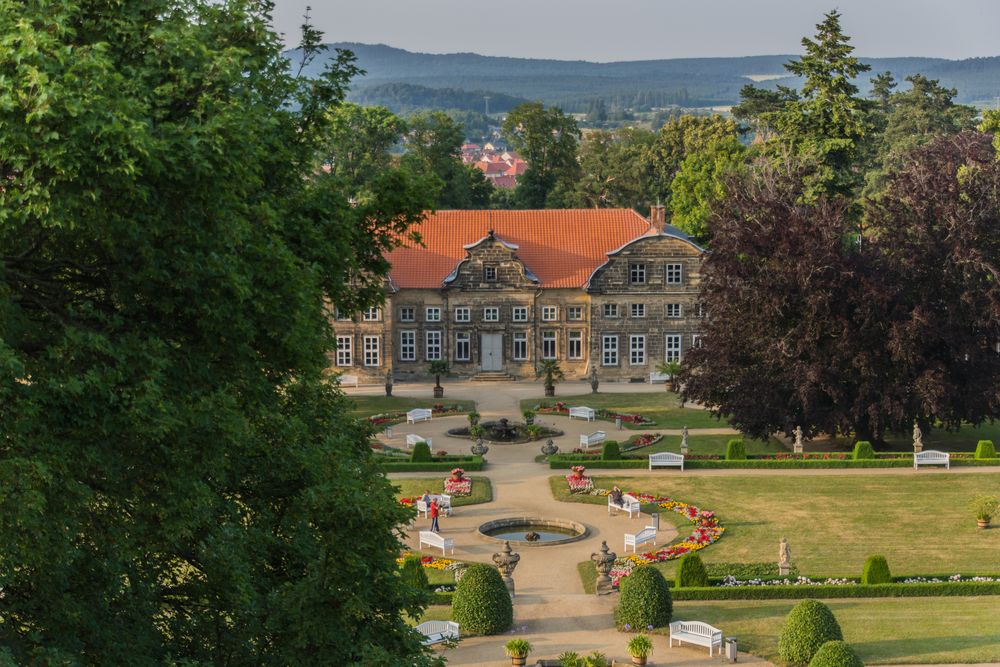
595, 438
629, 504
435, 632
418, 415
658, 377
582, 412
696, 632
432, 539
413, 439
348, 380
647, 534
666, 459
932, 457
443, 501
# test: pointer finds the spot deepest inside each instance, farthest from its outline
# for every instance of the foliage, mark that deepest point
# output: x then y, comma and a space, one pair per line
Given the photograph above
570, 659
682, 137
437, 368
481, 603
639, 646
670, 369
836, 654
691, 571
405, 97
616, 170
986, 450
359, 141
808, 626
421, 453
700, 184
611, 451
736, 450
412, 574
473, 418
863, 450
768, 570
547, 140
174, 462
984, 507
644, 599
550, 370
434, 145
517, 648
529, 416
876, 571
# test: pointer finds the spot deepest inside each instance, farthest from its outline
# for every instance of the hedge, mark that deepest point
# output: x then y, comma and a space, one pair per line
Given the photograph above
421, 453
736, 450
863, 450
836, 653
611, 451
985, 450
481, 603
829, 592
559, 463
644, 599
809, 625
876, 571
469, 463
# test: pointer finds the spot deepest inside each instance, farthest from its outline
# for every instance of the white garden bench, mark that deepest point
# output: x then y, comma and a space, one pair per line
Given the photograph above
696, 632
413, 439
443, 502
658, 377
435, 632
666, 459
629, 504
582, 412
418, 415
647, 534
932, 457
348, 380
432, 539
595, 438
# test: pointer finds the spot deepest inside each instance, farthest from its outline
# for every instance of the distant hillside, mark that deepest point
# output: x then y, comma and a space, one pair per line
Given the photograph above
405, 97
574, 84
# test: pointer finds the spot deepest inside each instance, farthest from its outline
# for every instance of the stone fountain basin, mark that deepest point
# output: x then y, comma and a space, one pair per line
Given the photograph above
573, 530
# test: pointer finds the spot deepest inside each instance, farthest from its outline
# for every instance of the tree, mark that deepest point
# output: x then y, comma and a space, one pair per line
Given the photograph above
434, 147
756, 105
700, 184
547, 139
681, 137
360, 139
174, 467
550, 372
616, 170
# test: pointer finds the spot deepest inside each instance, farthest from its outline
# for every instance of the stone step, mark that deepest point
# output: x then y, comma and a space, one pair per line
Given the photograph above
493, 376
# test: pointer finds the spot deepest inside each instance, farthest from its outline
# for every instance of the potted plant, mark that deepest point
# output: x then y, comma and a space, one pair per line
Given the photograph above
517, 650
639, 647
551, 372
985, 508
473, 418
476, 431
437, 369
670, 369
529, 417
533, 431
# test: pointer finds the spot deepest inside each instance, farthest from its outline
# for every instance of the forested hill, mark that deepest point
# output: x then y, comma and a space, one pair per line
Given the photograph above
573, 84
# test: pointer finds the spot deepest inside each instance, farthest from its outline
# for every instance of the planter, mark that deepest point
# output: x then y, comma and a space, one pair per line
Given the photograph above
638, 661
550, 391
438, 392
519, 662
983, 523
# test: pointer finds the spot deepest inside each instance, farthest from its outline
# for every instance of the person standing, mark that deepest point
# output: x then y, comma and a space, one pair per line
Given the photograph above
434, 517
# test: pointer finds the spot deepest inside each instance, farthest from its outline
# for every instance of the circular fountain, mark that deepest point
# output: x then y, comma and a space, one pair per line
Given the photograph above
503, 431
528, 531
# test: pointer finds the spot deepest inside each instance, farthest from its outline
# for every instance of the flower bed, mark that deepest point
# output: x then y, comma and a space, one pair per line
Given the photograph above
561, 408
458, 484
433, 562
578, 481
640, 441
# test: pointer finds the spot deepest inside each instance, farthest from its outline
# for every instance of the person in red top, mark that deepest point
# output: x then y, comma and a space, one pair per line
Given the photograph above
433, 511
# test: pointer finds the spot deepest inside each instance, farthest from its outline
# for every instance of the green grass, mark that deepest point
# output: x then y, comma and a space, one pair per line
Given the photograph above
432, 613
708, 444
662, 408
882, 631
962, 440
366, 406
834, 522
482, 490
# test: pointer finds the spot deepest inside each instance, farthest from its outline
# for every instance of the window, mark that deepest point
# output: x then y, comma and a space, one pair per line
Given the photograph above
611, 310
341, 315
575, 345
550, 313
549, 345
673, 348
372, 315
433, 340
462, 314
609, 345
520, 346
407, 314
696, 341
637, 274
490, 274
638, 310
699, 310
345, 353
674, 274
519, 314
491, 314
432, 314
407, 345
637, 350
574, 312
673, 310
462, 347
372, 351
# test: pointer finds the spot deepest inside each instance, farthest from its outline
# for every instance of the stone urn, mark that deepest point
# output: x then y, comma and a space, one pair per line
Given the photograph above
479, 448
549, 448
604, 561
457, 475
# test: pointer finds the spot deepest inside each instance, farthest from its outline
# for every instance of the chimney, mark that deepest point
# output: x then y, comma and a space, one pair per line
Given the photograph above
657, 217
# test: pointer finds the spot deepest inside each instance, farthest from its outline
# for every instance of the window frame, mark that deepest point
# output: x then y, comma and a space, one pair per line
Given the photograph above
515, 310
611, 350
550, 337
519, 339
550, 313
574, 339
574, 313
668, 269
463, 314
637, 311
427, 313
496, 313
668, 348
463, 339
376, 349
409, 347
486, 274
349, 349
676, 313
429, 346
610, 308
369, 316
637, 273
637, 353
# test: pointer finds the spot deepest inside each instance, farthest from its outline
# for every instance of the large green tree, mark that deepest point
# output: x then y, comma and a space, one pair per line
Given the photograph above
360, 139
700, 183
547, 138
178, 483
681, 137
434, 148
616, 170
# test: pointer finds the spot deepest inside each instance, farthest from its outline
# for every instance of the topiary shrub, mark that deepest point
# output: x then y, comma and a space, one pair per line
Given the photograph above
836, 654
876, 571
421, 453
735, 450
611, 451
809, 625
644, 600
863, 450
691, 571
481, 602
412, 573
986, 450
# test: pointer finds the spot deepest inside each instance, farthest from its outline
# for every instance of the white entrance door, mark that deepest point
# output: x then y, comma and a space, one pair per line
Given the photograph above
492, 351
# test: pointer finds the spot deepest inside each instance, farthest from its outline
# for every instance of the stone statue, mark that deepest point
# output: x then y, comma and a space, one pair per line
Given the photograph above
798, 440
918, 437
388, 382
593, 380
784, 558
684, 440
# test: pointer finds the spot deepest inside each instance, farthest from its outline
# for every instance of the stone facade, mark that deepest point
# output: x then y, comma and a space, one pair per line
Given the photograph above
492, 315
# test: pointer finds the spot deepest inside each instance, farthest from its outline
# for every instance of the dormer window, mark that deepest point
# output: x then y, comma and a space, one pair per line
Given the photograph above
490, 274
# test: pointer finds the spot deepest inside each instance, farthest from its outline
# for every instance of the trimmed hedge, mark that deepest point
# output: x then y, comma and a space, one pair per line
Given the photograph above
412, 574
809, 625
481, 603
611, 451
469, 463
836, 654
421, 453
643, 600
863, 450
691, 571
876, 571
986, 450
830, 592
736, 450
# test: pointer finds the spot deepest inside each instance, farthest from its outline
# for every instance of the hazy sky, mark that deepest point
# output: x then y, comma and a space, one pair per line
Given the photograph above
604, 30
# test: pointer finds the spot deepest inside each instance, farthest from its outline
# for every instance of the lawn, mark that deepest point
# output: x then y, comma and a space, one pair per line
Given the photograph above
920, 522
882, 631
365, 406
663, 408
482, 490
440, 612
707, 444
962, 440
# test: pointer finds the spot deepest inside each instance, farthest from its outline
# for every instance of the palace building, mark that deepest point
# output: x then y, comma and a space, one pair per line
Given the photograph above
495, 292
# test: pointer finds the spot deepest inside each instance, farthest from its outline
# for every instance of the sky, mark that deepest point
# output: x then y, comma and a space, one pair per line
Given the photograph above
608, 30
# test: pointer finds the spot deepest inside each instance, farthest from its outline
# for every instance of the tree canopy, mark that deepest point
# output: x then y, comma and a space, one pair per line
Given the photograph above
547, 139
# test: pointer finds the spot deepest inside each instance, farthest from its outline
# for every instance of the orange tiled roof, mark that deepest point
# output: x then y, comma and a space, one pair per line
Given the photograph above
561, 247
